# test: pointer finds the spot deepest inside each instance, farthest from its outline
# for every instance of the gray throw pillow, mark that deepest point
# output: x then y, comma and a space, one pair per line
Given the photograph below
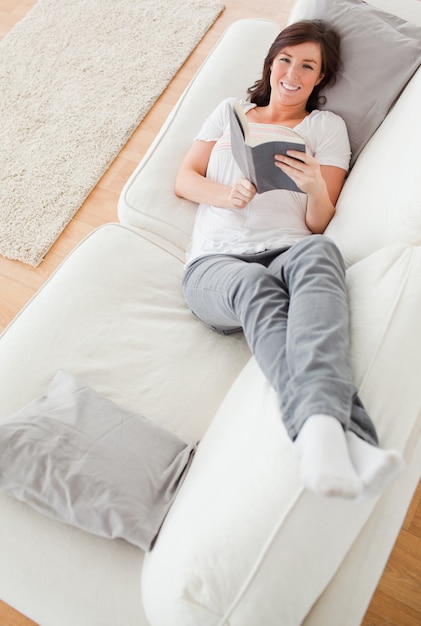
380, 53
78, 458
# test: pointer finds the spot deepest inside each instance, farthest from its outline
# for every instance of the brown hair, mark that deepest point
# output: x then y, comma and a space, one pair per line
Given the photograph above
292, 35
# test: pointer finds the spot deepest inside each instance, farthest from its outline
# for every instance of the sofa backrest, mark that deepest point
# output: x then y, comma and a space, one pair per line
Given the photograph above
378, 95
381, 201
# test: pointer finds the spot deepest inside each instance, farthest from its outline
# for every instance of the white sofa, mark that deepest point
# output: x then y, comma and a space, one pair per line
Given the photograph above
243, 543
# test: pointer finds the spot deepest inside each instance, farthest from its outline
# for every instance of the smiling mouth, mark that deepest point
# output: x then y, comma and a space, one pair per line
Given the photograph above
289, 87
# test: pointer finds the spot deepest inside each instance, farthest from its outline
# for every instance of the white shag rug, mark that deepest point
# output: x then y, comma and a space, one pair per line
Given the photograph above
76, 79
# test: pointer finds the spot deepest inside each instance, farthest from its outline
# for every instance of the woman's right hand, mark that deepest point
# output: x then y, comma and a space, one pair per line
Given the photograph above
193, 184
241, 193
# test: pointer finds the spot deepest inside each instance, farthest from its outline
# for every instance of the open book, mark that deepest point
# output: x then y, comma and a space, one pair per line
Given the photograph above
256, 158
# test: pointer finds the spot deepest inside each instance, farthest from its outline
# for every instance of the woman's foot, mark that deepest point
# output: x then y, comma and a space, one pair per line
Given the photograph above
325, 464
377, 468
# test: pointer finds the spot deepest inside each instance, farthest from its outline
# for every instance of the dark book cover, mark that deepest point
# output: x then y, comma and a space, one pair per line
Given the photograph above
257, 162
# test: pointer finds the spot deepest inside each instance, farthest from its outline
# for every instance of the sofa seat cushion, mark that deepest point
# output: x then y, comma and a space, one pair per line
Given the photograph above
114, 315
244, 543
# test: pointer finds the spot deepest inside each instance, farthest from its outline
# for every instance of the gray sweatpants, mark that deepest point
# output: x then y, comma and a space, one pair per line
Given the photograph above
291, 304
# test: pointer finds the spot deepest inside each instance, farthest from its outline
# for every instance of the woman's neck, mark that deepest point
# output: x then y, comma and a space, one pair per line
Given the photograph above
284, 116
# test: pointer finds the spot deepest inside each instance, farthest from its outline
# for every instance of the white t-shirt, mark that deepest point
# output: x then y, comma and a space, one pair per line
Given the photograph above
272, 219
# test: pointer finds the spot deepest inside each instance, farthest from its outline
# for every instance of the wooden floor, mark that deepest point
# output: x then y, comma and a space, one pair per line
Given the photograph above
397, 601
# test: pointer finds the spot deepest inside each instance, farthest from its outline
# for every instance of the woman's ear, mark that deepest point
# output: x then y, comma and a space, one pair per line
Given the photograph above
319, 80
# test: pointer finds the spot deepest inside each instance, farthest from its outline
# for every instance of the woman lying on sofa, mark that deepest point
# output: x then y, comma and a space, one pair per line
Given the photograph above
260, 263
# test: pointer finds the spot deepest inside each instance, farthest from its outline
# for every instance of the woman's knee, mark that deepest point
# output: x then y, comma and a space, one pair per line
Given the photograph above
313, 260
322, 248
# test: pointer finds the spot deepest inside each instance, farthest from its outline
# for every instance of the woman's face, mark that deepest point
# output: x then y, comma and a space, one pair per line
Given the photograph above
295, 71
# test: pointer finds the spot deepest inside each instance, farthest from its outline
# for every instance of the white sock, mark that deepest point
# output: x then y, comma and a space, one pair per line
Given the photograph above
325, 464
376, 468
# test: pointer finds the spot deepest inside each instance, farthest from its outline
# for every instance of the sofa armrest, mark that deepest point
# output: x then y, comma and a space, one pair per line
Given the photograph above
147, 200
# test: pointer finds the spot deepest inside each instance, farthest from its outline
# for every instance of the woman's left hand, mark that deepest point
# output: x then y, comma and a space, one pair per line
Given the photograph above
304, 170
321, 183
